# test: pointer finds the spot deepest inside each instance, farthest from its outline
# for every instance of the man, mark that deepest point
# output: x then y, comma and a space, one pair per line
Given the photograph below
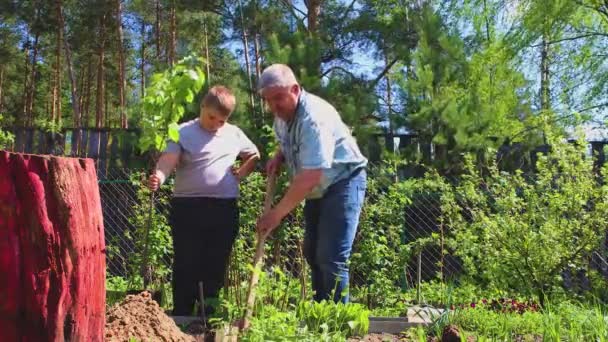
327, 170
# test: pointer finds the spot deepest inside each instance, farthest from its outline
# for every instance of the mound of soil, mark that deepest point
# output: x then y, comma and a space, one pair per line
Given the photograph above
139, 317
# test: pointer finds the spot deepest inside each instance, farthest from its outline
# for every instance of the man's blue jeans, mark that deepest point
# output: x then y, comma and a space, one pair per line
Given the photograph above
331, 225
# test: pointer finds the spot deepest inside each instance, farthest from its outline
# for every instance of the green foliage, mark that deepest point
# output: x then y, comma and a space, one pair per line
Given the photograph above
6, 138
350, 319
152, 224
520, 233
167, 99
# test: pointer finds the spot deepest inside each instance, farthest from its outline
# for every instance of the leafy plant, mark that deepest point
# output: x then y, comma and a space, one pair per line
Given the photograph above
167, 100
350, 319
518, 232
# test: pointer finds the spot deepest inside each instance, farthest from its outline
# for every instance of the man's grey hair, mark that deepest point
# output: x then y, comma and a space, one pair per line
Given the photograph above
277, 75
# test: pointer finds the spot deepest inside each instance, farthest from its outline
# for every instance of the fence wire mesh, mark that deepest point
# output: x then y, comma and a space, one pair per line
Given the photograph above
128, 210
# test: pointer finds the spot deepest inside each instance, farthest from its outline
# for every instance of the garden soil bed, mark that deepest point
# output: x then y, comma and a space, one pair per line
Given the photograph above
139, 317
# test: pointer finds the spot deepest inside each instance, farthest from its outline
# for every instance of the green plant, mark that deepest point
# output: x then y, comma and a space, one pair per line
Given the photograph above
167, 99
350, 319
160, 246
519, 233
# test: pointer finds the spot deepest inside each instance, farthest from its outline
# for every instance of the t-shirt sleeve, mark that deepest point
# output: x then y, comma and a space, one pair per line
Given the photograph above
246, 146
172, 147
317, 144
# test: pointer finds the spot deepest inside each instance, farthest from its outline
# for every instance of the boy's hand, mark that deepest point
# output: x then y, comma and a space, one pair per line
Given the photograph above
153, 182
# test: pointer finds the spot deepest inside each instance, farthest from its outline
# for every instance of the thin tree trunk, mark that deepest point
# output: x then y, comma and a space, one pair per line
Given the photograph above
82, 82
157, 30
56, 100
1, 86
172, 34
207, 60
258, 73
247, 63
87, 98
99, 113
77, 116
143, 59
545, 101
389, 100
32, 90
26, 78
122, 83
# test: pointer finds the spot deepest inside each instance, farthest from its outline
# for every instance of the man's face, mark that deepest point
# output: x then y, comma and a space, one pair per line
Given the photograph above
211, 119
282, 101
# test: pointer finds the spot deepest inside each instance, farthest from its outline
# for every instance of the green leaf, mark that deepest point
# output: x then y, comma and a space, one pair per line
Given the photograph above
173, 132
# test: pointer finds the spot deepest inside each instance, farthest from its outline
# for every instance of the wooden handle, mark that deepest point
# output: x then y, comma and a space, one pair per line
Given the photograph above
259, 251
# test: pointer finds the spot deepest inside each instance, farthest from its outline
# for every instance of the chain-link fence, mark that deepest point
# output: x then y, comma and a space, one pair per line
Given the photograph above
401, 241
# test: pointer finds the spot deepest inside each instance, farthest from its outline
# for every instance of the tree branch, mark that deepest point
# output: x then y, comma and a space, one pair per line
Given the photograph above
605, 104
587, 35
293, 9
337, 67
384, 72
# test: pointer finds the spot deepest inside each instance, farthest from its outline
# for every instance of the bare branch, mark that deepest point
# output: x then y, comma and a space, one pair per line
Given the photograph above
605, 104
384, 72
586, 35
337, 67
293, 9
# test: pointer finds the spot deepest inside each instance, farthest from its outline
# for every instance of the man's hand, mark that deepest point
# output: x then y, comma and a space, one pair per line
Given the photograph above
268, 222
273, 166
153, 182
238, 172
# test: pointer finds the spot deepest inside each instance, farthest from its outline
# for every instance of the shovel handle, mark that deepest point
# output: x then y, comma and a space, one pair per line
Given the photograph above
259, 251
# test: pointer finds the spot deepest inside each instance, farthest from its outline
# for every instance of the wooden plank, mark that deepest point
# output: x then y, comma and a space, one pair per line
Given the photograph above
29, 141
82, 148
93, 144
114, 154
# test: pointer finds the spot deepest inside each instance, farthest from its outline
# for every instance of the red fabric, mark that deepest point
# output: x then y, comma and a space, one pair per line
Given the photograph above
52, 250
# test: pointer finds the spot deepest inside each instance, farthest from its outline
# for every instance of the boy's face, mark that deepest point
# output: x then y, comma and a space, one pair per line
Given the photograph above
211, 119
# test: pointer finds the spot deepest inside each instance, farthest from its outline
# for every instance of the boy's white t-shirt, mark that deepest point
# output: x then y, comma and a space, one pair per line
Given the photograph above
206, 160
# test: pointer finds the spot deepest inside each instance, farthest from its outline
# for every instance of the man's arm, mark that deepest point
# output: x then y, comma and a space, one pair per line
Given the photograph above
303, 183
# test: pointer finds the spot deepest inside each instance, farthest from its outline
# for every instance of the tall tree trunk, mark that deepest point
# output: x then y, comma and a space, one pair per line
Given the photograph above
389, 90
121, 67
207, 60
143, 59
1, 86
172, 34
314, 10
247, 62
56, 100
157, 30
99, 113
545, 97
258, 72
26, 78
87, 97
77, 116
32, 90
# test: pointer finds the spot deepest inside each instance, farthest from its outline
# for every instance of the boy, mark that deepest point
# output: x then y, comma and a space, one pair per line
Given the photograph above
204, 214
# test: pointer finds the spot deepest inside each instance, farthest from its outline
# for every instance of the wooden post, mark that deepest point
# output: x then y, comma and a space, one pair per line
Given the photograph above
52, 250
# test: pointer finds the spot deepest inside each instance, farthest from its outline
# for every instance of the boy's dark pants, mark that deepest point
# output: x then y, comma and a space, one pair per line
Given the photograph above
204, 230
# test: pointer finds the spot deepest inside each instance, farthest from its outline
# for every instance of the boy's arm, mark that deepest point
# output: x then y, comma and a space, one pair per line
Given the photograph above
248, 165
249, 154
165, 165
